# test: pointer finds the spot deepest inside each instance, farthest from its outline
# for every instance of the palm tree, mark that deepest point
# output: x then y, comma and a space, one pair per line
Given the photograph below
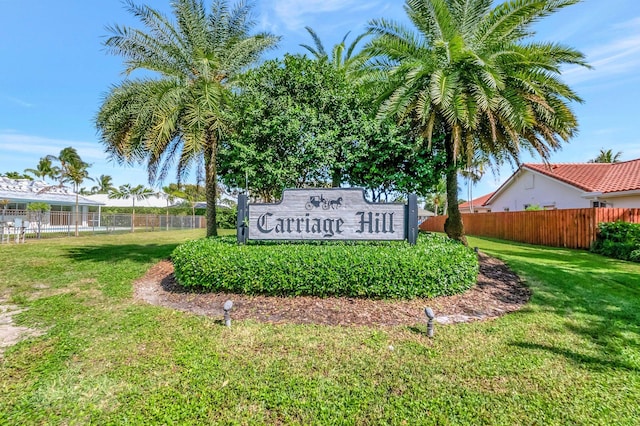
136, 193
17, 175
44, 169
468, 73
183, 113
72, 170
473, 172
340, 59
170, 194
438, 197
105, 185
607, 156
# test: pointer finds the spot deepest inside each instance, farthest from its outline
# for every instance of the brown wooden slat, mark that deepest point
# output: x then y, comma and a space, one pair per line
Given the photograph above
573, 228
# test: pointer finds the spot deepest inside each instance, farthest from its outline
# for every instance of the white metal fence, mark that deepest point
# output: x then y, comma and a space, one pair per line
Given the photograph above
20, 225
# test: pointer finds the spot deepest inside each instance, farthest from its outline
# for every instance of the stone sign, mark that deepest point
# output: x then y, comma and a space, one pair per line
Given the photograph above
325, 214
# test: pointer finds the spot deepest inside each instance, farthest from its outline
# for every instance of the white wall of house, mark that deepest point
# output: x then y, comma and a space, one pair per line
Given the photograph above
626, 202
152, 201
531, 188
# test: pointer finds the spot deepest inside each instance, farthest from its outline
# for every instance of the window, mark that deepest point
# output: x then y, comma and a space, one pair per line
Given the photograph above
600, 204
506, 209
16, 206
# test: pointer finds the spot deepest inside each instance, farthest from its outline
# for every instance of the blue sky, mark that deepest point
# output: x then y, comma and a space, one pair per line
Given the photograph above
54, 72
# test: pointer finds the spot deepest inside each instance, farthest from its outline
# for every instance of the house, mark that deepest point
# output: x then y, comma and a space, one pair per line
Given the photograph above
424, 214
477, 205
17, 194
155, 200
569, 186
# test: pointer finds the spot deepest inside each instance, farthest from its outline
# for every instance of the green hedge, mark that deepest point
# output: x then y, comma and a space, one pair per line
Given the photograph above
620, 240
434, 267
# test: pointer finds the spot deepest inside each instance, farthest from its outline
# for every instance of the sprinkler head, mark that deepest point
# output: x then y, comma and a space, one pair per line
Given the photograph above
429, 313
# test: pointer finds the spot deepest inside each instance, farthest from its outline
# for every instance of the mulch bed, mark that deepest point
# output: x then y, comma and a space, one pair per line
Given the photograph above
497, 292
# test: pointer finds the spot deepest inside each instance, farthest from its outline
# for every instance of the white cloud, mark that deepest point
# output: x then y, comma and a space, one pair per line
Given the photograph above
619, 56
29, 144
17, 101
19, 151
295, 14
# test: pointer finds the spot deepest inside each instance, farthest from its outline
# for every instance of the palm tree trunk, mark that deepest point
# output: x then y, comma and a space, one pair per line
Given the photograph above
211, 185
453, 225
76, 215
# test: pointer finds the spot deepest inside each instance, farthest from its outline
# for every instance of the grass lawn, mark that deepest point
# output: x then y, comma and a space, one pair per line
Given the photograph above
572, 356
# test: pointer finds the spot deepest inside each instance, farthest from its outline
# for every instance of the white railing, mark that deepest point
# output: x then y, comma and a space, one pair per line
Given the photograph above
19, 225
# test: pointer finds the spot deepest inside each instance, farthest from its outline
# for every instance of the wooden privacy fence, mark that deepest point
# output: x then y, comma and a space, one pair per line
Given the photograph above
572, 228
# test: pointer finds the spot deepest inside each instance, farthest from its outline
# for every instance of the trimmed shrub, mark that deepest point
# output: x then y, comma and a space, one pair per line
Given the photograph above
227, 217
436, 266
620, 240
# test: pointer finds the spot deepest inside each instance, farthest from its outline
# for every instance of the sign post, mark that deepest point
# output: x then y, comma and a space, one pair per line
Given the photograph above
327, 214
241, 224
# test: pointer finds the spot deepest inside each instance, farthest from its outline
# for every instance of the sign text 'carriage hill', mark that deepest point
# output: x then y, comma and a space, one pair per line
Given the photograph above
327, 214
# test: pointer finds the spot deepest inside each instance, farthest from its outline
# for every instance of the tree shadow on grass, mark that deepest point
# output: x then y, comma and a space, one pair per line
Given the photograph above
591, 362
596, 298
142, 253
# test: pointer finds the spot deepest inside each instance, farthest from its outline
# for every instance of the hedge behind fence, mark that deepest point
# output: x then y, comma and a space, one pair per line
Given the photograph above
434, 267
620, 240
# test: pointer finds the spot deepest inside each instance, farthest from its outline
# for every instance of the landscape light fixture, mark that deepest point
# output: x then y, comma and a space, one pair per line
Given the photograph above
430, 317
227, 316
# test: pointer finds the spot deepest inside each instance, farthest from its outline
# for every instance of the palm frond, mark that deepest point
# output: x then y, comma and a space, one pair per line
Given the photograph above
319, 51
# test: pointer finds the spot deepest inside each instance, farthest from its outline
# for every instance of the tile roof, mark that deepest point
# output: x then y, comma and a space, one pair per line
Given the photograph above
477, 202
594, 177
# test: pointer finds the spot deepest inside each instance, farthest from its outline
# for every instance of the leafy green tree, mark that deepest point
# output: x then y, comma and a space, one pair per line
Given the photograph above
301, 123
607, 156
44, 169
469, 72
292, 116
38, 209
183, 113
388, 160
135, 193
348, 65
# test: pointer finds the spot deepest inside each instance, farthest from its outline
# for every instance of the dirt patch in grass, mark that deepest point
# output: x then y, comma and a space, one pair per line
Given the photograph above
10, 334
497, 292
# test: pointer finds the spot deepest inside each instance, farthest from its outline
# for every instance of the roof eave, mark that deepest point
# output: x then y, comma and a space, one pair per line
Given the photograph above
619, 193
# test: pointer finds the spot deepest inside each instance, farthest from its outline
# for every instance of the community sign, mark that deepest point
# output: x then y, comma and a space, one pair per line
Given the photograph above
326, 214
